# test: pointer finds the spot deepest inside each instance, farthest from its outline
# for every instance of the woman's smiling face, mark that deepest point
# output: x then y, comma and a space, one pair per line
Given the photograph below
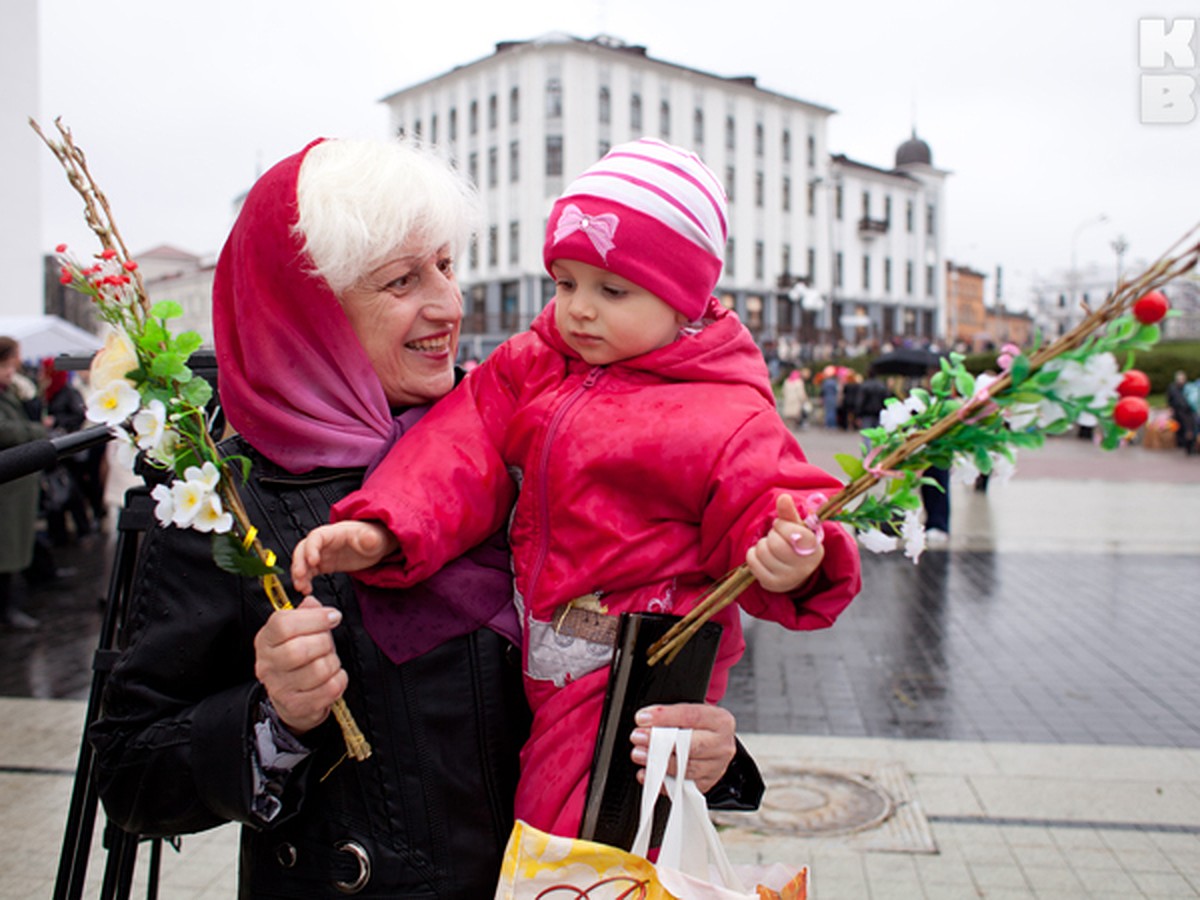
406, 314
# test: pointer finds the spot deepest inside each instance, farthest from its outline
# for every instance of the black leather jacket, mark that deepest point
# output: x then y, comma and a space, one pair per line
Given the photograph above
430, 810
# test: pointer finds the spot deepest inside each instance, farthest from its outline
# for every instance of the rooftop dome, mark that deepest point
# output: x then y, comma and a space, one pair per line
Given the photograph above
914, 150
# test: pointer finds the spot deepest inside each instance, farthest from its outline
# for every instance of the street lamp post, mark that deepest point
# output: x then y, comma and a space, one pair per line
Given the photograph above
1119, 246
1086, 223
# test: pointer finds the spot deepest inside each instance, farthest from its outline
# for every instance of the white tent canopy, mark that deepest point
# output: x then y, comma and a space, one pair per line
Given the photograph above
42, 336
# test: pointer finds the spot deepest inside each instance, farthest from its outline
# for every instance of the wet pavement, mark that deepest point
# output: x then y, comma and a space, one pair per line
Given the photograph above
1027, 696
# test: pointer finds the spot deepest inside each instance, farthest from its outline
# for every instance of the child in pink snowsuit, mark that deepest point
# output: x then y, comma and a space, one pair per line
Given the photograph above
630, 440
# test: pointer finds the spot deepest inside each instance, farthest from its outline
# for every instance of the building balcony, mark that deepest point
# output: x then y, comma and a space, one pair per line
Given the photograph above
869, 228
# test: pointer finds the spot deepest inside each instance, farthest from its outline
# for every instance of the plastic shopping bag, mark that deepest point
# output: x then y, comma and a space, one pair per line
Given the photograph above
691, 864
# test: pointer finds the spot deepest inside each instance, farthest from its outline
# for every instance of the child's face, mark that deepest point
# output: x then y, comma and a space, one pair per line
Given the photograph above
606, 318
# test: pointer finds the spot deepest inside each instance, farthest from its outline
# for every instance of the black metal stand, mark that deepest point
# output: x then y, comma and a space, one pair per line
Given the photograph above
135, 518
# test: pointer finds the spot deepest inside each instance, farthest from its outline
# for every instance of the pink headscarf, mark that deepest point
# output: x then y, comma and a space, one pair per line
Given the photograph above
294, 379
296, 383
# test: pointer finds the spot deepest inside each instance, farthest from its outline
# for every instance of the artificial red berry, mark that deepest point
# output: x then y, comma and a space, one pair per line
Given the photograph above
1151, 307
1135, 384
1131, 413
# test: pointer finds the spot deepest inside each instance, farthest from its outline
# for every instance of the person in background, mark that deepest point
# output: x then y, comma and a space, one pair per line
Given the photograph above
62, 490
794, 399
829, 396
1185, 416
19, 497
336, 315
872, 397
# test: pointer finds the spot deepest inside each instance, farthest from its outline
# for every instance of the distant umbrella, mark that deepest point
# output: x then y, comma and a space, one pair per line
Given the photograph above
911, 361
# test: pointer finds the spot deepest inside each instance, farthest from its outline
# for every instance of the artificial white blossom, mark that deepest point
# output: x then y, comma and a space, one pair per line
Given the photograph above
877, 542
114, 403
897, 412
1042, 414
164, 509
913, 534
208, 475
211, 516
150, 425
112, 362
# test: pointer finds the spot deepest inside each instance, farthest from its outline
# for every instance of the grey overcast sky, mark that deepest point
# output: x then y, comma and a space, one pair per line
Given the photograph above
1033, 106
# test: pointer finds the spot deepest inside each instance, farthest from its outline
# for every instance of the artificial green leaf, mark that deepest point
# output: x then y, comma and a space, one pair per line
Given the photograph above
231, 556
188, 342
166, 309
1021, 368
851, 465
196, 392
167, 365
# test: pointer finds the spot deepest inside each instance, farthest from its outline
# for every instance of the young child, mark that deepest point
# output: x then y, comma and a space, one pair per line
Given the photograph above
632, 436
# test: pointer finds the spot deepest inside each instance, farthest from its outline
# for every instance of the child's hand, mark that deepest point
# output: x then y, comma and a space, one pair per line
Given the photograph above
789, 554
341, 547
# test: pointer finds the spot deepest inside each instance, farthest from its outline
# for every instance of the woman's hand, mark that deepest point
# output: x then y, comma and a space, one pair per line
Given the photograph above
713, 744
341, 547
296, 662
789, 554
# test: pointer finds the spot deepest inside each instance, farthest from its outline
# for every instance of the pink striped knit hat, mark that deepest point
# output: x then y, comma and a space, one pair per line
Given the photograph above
651, 213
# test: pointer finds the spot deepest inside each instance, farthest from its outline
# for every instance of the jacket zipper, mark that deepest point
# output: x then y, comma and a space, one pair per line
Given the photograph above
542, 492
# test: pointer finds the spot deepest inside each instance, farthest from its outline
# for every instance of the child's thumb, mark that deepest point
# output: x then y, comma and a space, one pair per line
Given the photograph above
785, 508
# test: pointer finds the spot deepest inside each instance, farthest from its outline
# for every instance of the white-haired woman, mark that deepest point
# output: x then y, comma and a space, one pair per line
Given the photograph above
336, 315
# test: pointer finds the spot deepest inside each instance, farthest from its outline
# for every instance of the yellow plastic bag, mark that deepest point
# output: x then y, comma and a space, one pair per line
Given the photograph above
691, 864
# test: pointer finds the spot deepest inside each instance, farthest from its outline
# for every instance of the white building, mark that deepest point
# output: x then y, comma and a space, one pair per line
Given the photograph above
525, 120
21, 224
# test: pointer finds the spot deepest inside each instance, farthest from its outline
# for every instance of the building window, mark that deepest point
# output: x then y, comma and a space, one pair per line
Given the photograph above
866, 202
493, 250
908, 216
433, 123
514, 162
698, 127
760, 260
786, 191
417, 129
514, 105
929, 281
514, 242
812, 152
452, 126
664, 120
730, 178
493, 173
759, 139
812, 264
837, 269
887, 209
759, 189
730, 256
603, 147
473, 167
866, 273
908, 278
553, 98
730, 133
554, 155
812, 198
473, 252
473, 118
605, 106
509, 304
930, 220
493, 112
786, 259
787, 145
837, 202
635, 114
887, 274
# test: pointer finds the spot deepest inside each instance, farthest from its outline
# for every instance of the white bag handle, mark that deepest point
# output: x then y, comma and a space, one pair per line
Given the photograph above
690, 842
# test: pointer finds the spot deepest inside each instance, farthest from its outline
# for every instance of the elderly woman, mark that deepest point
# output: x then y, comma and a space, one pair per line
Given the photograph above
336, 314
